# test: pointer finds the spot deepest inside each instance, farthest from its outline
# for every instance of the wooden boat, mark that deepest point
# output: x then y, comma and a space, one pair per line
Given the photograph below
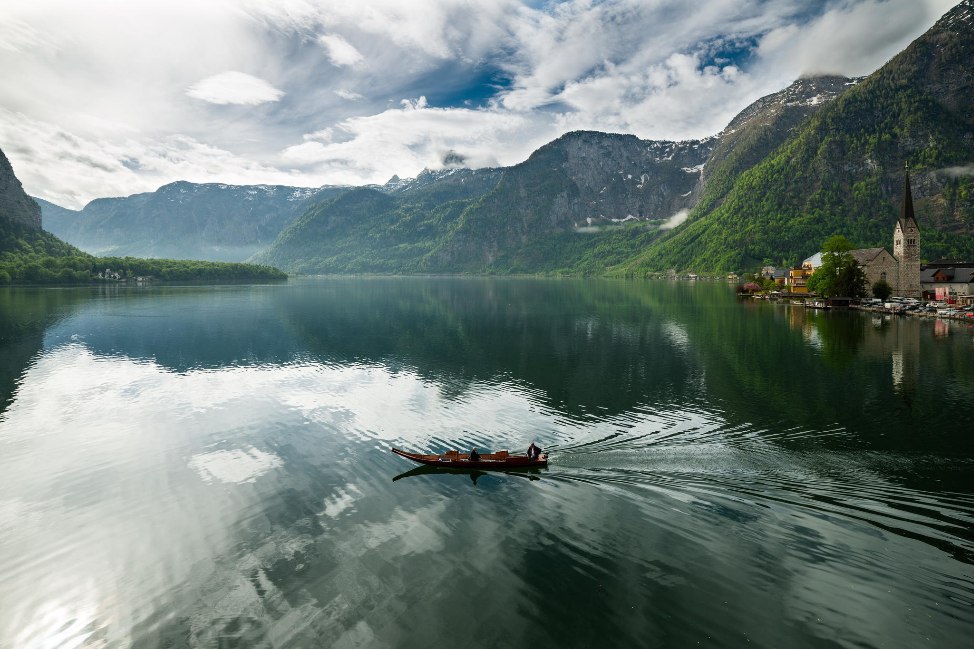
499, 461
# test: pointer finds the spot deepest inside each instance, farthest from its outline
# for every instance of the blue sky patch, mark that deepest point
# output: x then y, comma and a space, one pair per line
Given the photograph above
455, 85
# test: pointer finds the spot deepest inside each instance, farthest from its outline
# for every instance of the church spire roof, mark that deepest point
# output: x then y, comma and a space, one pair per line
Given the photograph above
906, 209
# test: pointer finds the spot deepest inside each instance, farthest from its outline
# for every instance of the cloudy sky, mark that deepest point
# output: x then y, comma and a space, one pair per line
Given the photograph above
115, 97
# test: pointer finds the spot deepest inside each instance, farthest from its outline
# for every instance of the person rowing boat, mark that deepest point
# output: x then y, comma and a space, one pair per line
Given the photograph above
476, 460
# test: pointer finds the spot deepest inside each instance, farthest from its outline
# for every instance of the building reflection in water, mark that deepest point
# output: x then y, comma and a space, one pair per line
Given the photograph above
898, 338
839, 336
801, 319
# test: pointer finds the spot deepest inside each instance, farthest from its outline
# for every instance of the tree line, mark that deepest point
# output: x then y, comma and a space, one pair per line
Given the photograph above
28, 257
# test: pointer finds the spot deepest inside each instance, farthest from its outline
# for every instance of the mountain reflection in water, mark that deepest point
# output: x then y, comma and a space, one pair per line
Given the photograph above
210, 466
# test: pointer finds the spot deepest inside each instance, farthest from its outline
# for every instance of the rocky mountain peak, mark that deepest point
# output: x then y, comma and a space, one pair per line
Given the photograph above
805, 93
961, 17
15, 205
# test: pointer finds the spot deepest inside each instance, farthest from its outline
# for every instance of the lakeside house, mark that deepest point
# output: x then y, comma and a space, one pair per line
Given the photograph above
948, 280
798, 276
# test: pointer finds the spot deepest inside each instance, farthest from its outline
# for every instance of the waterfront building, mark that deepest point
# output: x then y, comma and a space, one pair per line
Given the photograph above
946, 279
878, 265
906, 245
798, 276
901, 270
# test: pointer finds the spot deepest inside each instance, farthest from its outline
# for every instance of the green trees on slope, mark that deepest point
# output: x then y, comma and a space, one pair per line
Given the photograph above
37, 257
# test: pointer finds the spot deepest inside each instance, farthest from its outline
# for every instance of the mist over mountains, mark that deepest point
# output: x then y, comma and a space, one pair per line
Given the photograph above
823, 156
184, 220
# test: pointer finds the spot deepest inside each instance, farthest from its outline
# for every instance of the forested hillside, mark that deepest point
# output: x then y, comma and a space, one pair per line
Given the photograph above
841, 172
365, 230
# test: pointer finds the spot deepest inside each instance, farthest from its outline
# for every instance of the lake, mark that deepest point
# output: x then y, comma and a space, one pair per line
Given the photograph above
209, 466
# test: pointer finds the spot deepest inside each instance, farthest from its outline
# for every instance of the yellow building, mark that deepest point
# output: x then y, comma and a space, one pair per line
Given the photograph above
798, 276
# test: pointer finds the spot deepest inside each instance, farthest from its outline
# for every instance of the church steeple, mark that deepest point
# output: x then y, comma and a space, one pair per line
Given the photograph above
906, 209
906, 245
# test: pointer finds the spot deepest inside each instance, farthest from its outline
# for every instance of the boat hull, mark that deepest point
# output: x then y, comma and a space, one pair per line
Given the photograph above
500, 461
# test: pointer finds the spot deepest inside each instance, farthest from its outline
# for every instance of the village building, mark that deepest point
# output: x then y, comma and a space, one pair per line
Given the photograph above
878, 265
945, 279
778, 275
798, 276
901, 270
949, 280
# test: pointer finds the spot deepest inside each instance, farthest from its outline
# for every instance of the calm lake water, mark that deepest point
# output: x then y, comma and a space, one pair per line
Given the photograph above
210, 467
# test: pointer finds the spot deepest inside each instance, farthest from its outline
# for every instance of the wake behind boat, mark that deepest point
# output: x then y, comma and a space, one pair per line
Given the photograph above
499, 461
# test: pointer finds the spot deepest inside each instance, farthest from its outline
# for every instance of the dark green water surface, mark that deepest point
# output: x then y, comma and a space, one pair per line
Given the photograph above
210, 467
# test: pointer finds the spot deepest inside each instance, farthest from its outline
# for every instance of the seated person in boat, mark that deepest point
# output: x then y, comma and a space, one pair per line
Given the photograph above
533, 452
474, 455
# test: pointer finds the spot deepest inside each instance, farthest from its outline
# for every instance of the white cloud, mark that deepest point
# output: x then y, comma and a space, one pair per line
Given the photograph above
18, 36
850, 39
414, 104
340, 51
70, 170
435, 28
233, 87
958, 172
678, 98
127, 87
350, 95
405, 140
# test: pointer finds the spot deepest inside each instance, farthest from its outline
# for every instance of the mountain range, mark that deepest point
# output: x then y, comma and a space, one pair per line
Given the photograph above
184, 220
824, 156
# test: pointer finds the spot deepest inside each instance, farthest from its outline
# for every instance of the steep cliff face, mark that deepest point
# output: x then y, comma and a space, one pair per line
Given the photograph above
612, 177
618, 177
939, 62
938, 70
582, 183
16, 207
22, 240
